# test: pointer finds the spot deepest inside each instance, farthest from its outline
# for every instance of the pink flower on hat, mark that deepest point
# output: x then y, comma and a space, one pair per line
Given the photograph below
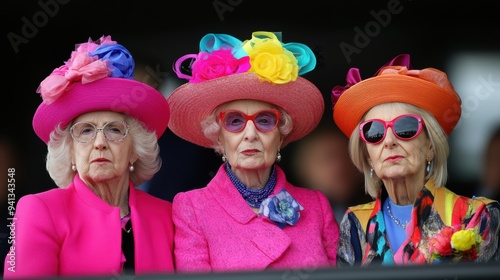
219, 63
89, 62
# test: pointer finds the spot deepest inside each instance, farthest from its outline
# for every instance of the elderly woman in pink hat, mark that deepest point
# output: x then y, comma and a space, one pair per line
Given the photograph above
398, 122
101, 128
246, 101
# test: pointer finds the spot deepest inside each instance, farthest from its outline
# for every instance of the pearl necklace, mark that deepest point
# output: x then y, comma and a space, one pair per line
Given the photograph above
396, 221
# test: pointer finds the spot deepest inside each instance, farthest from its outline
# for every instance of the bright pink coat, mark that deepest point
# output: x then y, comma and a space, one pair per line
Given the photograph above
72, 232
216, 230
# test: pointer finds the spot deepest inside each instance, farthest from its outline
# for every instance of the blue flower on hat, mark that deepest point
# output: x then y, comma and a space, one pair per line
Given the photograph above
282, 209
119, 59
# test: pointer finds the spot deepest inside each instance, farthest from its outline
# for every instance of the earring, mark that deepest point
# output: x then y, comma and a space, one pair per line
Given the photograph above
224, 159
73, 167
131, 167
428, 168
278, 157
371, 172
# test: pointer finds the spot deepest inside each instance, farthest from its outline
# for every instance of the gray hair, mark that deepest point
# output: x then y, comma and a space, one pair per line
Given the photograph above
145, 145
211, 128
437, 137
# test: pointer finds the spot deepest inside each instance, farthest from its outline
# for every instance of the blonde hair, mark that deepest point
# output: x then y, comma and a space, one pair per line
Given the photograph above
437, 137
145, 145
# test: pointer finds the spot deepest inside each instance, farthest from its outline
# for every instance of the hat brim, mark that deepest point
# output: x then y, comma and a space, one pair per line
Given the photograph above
130, 97
193, 102
445, 106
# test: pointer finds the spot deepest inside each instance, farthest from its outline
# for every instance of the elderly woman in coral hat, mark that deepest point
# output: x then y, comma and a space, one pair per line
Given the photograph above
398, 122
245, 100
101, 128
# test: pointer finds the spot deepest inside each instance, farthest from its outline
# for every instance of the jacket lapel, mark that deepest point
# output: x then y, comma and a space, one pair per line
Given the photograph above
266, 236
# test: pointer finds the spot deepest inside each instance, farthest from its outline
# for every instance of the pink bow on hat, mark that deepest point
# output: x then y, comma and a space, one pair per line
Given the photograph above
353, 76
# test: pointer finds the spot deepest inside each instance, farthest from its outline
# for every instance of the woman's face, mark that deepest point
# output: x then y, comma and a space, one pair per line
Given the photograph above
249, 149
395, 158
100, 159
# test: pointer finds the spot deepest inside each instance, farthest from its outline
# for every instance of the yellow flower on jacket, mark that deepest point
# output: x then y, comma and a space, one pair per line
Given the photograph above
463, 240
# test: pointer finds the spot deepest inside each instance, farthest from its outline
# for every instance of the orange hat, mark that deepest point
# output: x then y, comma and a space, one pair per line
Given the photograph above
428, 89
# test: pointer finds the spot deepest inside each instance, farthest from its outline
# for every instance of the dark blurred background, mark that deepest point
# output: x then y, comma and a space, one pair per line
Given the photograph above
459, 37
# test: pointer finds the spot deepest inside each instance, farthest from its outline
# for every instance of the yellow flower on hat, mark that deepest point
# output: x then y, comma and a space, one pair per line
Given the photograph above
269, 59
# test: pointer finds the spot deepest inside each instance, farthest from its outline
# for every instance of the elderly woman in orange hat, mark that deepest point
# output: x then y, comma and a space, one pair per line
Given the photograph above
246, 101
101, 129
398, 122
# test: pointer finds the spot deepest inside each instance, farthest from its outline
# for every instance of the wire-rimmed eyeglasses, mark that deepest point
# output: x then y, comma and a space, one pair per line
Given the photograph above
85, 132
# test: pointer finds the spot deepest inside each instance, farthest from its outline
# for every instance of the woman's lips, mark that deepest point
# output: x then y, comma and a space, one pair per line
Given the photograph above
250, 152
393, 158
100, 160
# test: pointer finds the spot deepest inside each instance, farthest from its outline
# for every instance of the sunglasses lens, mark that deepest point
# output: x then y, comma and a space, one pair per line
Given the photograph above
406, 127
266, 121
234, 121
373, 131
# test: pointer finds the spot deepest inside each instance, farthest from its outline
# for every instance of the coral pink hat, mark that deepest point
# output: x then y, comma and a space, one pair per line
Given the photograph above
98, 77
262, 68
428, 89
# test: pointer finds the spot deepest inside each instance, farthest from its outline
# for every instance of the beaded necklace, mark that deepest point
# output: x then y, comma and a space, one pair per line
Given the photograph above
253, 197
396, 220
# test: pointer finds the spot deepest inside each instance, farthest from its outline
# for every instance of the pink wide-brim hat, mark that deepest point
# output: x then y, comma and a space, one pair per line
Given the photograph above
193, 102
126, 96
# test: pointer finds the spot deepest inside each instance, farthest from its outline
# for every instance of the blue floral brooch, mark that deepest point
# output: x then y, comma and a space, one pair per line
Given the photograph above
282, 209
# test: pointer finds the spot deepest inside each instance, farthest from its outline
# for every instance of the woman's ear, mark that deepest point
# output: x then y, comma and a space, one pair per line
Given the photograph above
221, 145
430, 153
133, 158
72, 153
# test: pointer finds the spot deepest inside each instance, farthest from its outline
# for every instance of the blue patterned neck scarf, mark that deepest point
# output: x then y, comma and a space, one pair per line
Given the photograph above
253, 197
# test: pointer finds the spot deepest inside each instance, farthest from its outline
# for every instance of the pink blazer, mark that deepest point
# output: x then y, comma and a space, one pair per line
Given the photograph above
216, 230
72, 232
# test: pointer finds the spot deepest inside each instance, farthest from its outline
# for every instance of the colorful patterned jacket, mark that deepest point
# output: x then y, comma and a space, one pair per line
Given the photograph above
363, 239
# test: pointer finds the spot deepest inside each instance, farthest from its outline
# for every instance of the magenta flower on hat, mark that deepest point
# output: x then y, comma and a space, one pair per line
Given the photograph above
222, 55
282, 209
208, 66
89, 62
